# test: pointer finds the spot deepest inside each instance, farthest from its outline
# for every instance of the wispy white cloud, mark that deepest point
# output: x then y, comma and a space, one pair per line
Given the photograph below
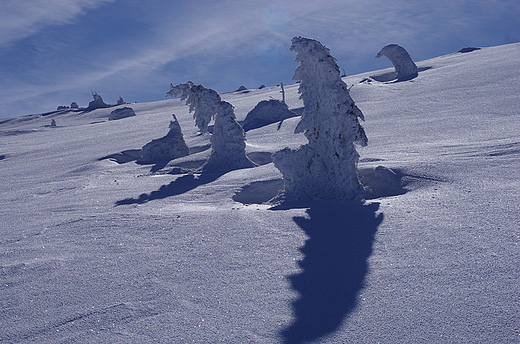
19, 19
225, 42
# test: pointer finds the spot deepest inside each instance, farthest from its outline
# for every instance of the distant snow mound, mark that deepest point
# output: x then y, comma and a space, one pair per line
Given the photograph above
402, 61
381, 182
166, 148
267, 112
259, 192
121, 113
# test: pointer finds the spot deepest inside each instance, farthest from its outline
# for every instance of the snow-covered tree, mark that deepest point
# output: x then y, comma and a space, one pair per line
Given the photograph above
326, 167
402, 61
166, 148
97, 103
228, 143
120, 101
202, 101
228, 138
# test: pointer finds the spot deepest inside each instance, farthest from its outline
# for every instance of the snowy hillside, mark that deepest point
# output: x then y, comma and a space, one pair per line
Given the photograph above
97, 248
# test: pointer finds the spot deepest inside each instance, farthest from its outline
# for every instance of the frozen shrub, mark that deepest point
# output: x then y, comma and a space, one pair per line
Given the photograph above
404, 66
326, 167
166, 148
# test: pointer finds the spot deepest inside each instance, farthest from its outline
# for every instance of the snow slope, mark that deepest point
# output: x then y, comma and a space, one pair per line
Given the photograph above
95, 248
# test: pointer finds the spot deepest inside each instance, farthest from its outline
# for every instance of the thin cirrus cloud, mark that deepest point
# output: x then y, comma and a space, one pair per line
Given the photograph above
56, 51
20, 19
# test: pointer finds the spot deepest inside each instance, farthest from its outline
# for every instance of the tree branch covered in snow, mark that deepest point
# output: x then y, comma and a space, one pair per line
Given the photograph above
326, 167
203, 102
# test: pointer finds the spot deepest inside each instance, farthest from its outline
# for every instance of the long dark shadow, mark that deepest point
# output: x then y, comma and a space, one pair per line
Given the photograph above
334, 267
178, 186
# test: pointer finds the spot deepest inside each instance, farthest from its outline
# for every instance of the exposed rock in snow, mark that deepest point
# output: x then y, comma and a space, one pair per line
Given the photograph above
228, 143
166, 148
404, 66
267, 112
97, 103
121, 113
325, 168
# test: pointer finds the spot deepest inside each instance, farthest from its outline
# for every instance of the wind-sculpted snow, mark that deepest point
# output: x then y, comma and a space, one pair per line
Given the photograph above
267, 112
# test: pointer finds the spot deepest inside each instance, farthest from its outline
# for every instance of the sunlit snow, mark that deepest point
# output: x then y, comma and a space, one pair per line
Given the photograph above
96, 247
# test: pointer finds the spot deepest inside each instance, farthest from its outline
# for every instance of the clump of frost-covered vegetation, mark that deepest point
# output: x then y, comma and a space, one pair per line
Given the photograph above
326, 167
166, 148
402, 61
228, 139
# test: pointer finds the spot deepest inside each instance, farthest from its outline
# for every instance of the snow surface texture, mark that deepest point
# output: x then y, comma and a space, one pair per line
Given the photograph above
182, 262
326, 167
267, 112
402, 61
166, 148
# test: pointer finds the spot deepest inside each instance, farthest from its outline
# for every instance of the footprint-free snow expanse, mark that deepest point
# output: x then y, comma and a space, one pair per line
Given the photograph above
95, 248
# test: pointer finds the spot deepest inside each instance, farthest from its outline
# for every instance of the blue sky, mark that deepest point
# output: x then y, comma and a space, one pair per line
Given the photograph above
55, 52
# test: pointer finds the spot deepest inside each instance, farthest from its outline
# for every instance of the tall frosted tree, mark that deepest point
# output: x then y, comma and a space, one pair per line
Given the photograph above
326, 167
228, 139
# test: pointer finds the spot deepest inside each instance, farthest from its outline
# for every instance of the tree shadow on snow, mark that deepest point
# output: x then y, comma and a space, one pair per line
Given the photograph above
334, 266
178, 186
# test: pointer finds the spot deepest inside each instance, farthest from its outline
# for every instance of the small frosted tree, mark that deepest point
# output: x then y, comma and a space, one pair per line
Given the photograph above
228, 138
166, 148
402, 61
326, 167
202, 101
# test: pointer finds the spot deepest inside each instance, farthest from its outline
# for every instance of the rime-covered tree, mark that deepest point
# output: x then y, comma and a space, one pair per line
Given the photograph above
228, 143
402, 61
203, 102
326, 167
166, 148
228, 138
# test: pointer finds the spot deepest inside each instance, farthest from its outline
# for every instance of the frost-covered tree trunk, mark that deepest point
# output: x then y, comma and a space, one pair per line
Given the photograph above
326, 167
228, 138
228, 143
402, 61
